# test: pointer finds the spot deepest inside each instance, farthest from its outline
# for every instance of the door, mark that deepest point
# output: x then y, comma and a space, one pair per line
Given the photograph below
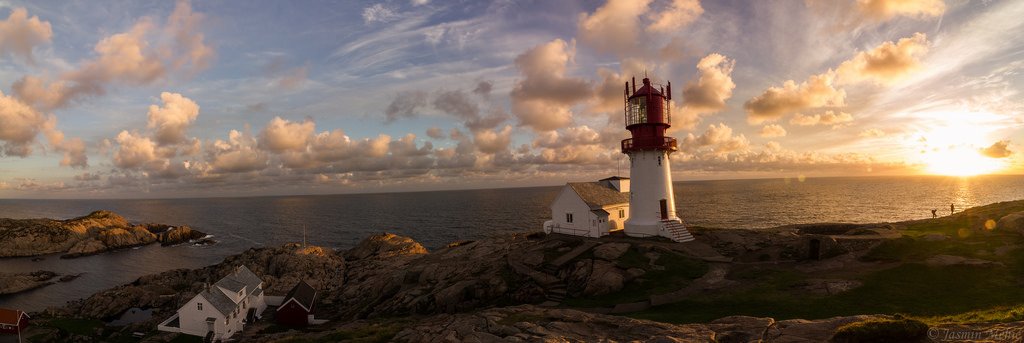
814, 251
664, 209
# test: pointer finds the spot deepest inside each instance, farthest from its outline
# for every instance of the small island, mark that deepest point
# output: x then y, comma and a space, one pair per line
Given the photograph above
95, 233
798, 283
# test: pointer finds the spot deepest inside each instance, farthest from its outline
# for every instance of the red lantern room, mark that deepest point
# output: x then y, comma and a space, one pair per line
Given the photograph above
648, 115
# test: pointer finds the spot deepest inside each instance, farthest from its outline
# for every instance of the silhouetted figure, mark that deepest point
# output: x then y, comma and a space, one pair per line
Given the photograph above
934, 215
952, 208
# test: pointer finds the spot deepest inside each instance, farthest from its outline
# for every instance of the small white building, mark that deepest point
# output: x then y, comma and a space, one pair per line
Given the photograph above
591, 209
221, 310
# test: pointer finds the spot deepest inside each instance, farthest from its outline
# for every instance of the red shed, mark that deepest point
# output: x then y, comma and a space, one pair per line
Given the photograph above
13, 321
297, 307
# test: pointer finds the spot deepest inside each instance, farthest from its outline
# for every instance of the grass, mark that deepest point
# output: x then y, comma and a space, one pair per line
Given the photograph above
86, 327
934, 294
885, 330
183, 338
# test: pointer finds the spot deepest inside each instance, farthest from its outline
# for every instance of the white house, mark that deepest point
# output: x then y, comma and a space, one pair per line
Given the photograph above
221, 310
591, 209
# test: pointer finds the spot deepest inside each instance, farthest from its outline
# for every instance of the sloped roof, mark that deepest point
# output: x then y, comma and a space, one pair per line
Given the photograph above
246, 276
597, 195
614, 178
230, 284
219, 301
11, 317
303, 293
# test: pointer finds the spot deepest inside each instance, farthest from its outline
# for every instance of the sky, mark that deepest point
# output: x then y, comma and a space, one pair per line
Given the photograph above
235, 98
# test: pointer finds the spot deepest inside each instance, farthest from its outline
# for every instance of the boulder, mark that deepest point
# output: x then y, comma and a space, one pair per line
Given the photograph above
1013, 222
740, 329
605, 278
610, 251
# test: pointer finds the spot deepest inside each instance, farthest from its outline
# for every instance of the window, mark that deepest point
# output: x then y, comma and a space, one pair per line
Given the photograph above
622, 213
199, 306
568, 217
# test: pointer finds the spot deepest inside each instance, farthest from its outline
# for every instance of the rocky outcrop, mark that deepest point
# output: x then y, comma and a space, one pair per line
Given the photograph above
97, 232
11, 283
950, 260
279, 268
389, 275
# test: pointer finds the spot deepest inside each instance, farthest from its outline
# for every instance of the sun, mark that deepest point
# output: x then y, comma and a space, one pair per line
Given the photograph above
960, 161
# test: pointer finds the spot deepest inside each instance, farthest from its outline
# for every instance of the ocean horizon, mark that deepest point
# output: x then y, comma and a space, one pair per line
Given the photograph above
436, 218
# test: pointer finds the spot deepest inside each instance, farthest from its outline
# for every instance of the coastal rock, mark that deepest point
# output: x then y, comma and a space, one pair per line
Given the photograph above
534, 324
11, 283
741, 329
610, 251
809, 331
591, 277
85, 247
171, 235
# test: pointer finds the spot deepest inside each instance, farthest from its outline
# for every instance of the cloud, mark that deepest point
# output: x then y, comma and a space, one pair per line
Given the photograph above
128, 58
613, 26
543, 97
1000, 149
775, 102
134, 150
404, 105
239, 154
713, 87
886, 63
378, 13
718, 139
772, 131
171, 120
19, 34
872, 133
826, 118
435, 132
887, 9
281, 135
490, 141
19, 126
679, 14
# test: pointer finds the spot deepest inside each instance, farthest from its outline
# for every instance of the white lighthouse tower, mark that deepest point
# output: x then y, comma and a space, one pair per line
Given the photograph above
652, 207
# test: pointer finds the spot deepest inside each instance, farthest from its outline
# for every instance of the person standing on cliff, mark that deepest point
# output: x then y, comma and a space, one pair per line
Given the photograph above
934, 215
952, 209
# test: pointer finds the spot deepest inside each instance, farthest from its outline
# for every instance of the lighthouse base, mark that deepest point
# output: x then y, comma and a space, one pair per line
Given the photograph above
672, 228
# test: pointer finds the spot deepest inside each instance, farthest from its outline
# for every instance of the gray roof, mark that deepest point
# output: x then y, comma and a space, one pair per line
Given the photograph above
614, 178
242, 277
221, 302
597, 195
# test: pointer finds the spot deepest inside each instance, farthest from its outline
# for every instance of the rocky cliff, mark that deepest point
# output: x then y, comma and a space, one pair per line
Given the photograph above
95, 233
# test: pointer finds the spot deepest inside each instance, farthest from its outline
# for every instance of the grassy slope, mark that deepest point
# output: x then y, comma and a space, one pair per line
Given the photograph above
946, 294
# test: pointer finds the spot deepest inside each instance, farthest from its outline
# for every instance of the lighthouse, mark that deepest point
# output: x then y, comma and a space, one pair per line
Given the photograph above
652, 206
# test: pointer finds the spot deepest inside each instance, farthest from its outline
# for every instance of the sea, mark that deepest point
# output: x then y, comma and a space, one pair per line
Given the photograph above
440, 217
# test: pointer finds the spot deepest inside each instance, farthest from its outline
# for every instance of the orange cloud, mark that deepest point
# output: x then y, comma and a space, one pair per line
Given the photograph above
543, 98
886, 63
19, 34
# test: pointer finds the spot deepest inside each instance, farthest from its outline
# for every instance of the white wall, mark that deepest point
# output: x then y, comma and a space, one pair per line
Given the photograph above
650, 181
568, 201
193, 321
614, 221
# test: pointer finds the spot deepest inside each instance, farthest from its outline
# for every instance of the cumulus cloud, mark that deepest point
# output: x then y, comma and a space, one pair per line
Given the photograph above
281, 135
19, 34
127, 57
543, 97
238, 154
708, 93
887, 9
613, 26
775, 102
490, 141
170, 121
886, 63
19, 126
678, 15
772, 131
134, 150
826, 118
717, 139
1000, 149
